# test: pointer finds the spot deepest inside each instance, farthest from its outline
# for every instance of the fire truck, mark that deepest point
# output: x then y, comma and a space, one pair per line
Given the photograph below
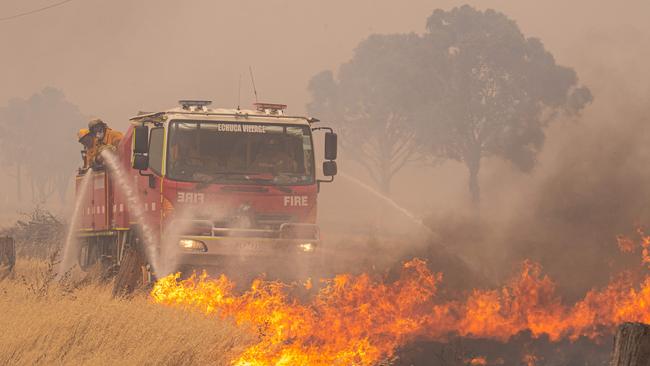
207, 184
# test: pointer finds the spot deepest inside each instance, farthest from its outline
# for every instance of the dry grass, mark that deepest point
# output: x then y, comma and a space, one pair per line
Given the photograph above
42, 322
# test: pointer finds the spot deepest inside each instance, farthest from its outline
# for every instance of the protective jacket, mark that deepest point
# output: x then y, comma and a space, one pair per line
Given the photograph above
111, 138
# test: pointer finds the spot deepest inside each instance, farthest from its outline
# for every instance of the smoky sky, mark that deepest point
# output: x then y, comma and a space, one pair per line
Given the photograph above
115, 58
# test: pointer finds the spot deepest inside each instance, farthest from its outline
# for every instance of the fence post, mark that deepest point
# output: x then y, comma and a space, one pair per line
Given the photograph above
7, 254
632, 345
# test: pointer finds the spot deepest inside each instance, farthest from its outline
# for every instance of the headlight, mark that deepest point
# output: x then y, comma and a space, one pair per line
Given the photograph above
192, 245
307, 247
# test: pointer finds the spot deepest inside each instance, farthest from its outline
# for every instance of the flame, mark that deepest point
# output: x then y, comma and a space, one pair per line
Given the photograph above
625, 244
354, 320
361, 320
645, 245
308, 284
529, 360
477, 361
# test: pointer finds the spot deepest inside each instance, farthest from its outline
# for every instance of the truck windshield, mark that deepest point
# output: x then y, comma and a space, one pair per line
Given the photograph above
232, 152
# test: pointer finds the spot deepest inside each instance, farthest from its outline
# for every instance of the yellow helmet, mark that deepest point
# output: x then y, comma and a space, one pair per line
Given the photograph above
95, 122
82, 132
85, 137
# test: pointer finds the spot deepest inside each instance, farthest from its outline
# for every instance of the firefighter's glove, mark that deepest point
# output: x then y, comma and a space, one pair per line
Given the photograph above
103, 148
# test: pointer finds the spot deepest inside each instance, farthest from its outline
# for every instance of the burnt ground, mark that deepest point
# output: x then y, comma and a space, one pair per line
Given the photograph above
521, 349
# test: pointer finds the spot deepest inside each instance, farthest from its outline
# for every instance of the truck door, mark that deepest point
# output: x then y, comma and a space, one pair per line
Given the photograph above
151, 194
99, 201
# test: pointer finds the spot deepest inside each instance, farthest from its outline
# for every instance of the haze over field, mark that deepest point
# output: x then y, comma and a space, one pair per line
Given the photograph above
115, 58
112, 59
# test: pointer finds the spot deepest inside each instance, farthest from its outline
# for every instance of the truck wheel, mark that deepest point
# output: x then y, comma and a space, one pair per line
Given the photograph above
132, 268
129, 276
88, 253
97, 254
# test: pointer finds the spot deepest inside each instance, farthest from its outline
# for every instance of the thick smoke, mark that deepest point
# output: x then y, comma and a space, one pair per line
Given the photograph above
590, 185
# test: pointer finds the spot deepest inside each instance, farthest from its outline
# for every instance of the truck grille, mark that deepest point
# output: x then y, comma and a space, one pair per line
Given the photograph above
267, 226
272, 221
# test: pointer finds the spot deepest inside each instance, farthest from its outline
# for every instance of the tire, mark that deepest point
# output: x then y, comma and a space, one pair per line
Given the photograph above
132, 267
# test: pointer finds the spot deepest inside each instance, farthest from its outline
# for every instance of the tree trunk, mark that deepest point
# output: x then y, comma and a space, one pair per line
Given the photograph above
384, 183
384, 168
632, 345
19, 184
62, 181
474, 188
472, 158
31, 179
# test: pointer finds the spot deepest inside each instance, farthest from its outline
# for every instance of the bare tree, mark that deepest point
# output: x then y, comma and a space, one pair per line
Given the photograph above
368, 102
37, 138
473, 86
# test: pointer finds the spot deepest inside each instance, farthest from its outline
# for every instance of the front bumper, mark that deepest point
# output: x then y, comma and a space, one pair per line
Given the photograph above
219, 247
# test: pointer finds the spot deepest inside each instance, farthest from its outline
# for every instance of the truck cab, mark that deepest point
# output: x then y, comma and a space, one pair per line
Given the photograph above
215, 183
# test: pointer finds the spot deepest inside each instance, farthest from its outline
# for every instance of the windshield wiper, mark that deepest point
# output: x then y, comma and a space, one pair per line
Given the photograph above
254, 178
259, 179
266, 179
215, 177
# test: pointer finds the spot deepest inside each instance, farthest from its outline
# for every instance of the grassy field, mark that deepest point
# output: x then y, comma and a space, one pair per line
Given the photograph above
44, 322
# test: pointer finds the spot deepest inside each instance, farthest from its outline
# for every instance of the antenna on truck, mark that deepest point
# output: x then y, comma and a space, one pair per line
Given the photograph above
250, 69
239, 93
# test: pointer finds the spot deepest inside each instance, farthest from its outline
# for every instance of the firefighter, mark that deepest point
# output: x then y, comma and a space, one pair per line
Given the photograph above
272, 158
86, 140
185, 157
102, 138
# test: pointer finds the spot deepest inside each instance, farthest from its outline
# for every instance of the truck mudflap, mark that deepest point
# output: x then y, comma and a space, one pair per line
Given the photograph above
203, 250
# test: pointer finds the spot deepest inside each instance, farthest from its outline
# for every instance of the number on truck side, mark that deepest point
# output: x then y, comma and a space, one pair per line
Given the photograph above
191, 197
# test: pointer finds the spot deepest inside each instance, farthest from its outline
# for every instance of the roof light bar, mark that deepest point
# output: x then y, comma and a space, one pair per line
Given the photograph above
270, 107
188, 104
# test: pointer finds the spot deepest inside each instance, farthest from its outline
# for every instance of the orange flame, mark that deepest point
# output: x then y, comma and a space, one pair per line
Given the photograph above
625, 244
477, 361
358, 320
645, 245
530, 360
352, 321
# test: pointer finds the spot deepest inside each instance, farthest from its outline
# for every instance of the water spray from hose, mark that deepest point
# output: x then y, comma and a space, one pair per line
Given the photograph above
72, 244
391, 203
135, 205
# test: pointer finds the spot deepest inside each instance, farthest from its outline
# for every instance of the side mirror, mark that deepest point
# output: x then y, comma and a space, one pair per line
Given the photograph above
140, 161
329, 168
141, 140
331, 143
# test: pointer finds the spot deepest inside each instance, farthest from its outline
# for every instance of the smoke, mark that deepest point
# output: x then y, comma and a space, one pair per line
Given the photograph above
590, 185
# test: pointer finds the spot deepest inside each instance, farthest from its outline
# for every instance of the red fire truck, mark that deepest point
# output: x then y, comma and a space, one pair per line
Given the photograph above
215, 182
